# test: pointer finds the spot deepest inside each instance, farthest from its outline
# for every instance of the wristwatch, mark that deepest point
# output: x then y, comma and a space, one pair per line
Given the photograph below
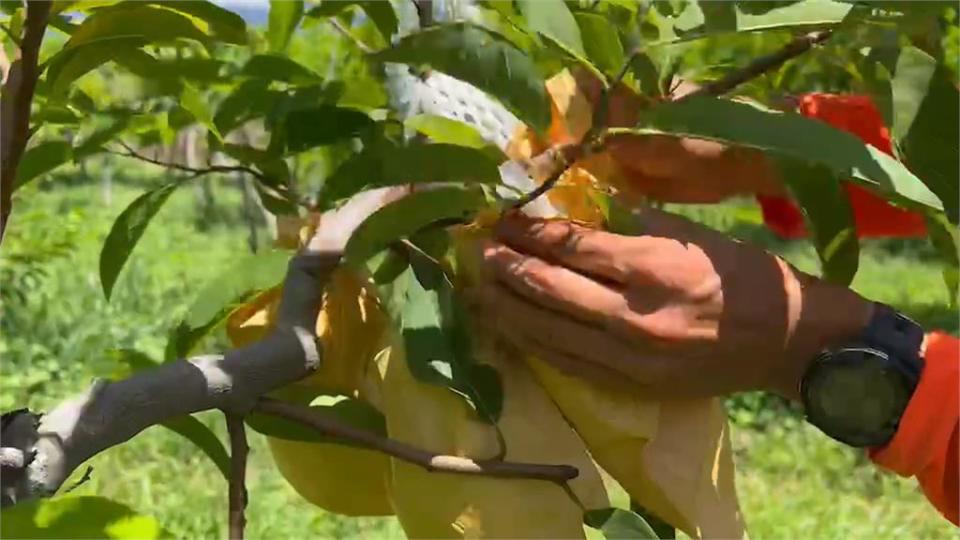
857, 393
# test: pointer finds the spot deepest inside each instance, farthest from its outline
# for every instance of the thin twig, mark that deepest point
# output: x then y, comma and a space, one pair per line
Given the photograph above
430, 461
761, 65
592, 140
338, 26
238, 475
131, 153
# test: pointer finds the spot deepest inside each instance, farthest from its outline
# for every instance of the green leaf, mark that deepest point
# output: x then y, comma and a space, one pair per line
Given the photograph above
77, 517
483, 59
573, 56
69, 64
435, 335
601, 41
250, 99
829, 217
303, 129
443, 130
617, 524
706, 18
41, 159
275, 67
553, 18
787, 134
93, 141
248, 276
126, 232
203, 437
946, 239
196, 104
380, 12
54, 114
924, 98
408, 215
224, 24
719, 16
387, 165
345, 410
134, 19
284, 17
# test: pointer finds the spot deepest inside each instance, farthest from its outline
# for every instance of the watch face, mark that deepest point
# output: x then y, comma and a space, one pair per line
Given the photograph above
856, 396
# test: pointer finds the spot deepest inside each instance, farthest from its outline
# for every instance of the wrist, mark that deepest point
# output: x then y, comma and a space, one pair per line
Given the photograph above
822, 315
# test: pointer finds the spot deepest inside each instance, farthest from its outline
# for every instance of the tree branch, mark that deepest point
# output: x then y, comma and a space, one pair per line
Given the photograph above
15, 104
430, 461
195, 171
110, 413
761, 65
238, 475
338, 26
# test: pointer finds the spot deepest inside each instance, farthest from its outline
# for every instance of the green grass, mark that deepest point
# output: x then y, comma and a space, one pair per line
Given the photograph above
793, 481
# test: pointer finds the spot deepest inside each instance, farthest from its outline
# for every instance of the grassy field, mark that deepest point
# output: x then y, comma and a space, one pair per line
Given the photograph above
793, 481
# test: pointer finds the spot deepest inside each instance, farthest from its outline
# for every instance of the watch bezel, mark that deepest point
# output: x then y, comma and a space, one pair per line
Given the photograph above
845, 357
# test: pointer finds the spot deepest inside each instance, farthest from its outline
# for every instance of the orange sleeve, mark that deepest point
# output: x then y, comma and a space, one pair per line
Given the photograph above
925, 444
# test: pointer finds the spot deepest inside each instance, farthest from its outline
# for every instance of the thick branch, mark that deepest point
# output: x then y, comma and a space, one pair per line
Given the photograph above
430, 461
15, 104
110, 413
238, 475
763, 64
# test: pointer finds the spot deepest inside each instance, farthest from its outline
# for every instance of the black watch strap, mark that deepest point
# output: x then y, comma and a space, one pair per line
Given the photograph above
898, 336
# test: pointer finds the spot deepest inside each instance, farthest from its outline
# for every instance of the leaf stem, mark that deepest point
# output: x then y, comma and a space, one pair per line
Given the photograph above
430, 461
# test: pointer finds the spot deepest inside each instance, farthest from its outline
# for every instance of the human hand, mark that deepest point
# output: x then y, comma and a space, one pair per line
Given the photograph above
681, 170
681, 311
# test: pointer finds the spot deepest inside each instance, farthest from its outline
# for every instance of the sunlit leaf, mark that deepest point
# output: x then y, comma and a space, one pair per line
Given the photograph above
134, 19
224, 24
787, 134
829, 217
924, 99
440, 129
69, 64
196, 104
127, 230
479, 57
619, 524
284, 17
41, 159
380, 12
408, 215
553, 18
601, 42
77, 517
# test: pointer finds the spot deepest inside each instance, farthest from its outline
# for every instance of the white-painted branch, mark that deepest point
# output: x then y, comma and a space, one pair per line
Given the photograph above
109, 413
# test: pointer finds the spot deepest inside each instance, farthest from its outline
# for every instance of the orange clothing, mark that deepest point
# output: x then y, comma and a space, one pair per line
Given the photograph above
872, 215
925, 444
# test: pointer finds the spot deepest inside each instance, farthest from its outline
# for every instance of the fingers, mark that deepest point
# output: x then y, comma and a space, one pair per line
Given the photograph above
554, 287
529, 325
594, 252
